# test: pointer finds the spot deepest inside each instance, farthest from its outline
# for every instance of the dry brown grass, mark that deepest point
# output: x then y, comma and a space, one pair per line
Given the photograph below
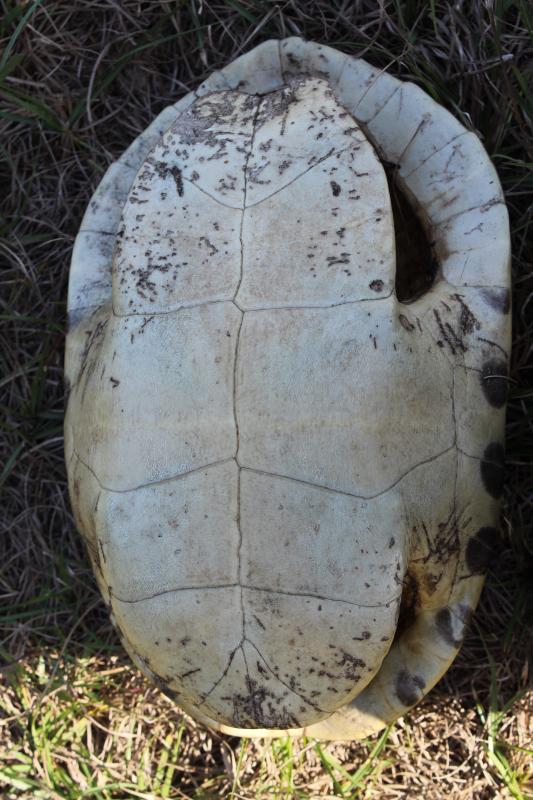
78, 81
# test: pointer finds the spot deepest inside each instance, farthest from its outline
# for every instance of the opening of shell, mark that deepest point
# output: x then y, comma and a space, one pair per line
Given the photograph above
416, 262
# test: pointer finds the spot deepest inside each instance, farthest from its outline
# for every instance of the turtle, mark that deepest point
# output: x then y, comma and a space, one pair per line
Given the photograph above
286, 472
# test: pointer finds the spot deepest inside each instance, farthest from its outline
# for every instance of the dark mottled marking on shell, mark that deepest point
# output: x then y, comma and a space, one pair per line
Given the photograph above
467, 321
430, 582
481, 548
405, 323
409, 604
256, 709
168, 691
499, 299
376, 286
494, 381
443, 622
163, 686
492, 469
409, 687
352, 666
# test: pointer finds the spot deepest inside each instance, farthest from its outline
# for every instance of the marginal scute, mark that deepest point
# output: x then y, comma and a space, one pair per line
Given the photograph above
492, 469
90, 274
497, 298
402, 118
136, 153
364, 90
478, 420
444, 624
454, 180
262, 73
494, 381
410, 603
450, 181
481, 549
475, 229
437, 129
409, 687
463, 264
290, 532
85, 491
306, 58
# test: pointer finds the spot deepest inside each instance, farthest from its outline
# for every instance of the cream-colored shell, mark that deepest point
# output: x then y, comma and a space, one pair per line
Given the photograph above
267, 451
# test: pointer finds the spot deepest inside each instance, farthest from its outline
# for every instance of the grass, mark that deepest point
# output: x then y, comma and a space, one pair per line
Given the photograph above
78, 81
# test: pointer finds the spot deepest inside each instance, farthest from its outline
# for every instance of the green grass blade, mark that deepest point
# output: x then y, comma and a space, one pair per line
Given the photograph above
16, 33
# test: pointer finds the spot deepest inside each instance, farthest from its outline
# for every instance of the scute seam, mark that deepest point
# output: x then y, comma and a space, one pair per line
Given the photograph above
352, 494
238, 520
250, 588
149, 483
